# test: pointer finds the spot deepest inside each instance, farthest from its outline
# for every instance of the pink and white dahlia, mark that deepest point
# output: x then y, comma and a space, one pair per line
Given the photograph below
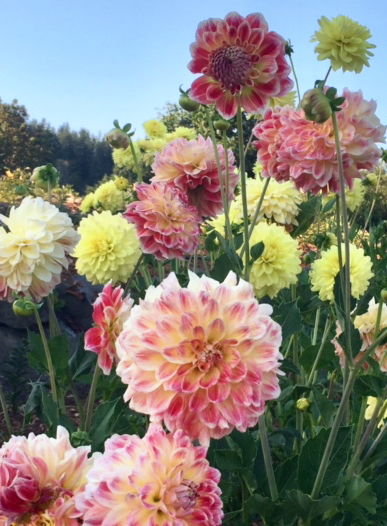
167, 226
190, 165
110, 311
39, 479
160, 480
238, 57
294, 148
205, 359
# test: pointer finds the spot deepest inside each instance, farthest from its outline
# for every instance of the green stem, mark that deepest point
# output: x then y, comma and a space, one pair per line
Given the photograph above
145, 274
360, 424
244, 191
373, 447
227, 188
257, 211
316, 326
267, 458
328, 325
379, 316
53, 320
50, 365
160, 270
91, 398
295, 78
136, 163
327, 75
4, 406
77, 400
130, 280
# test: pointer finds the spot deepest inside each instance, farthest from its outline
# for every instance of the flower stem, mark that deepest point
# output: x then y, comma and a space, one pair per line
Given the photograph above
136, 163
91, 398
4, 406
295, 78
327, 75
53, 320
46, 347
77, 400
328, 325
129, 282
244, 191
373, 447
267, 458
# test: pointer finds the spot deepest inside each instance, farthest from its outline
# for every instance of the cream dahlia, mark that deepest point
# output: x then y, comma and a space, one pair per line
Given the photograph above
110, 311
191, 167
205, 358
371, 406
238, 57
40, 478
366, 324
160, 480
35, 249
166, 224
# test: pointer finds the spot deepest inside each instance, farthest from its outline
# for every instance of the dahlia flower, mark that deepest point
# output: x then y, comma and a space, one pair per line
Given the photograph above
161, 480
121, 183
166, 224
340, 351
235, 214
294, 148
87, 204
354, 197
108, 197
279, 265
205, 358
366, 324
324, 271
40, 478
108, 249
344, 42
286, 100
191, 167
155, 128
110, 311
182, 132
124, 158
371, 406
35, 250
238, 57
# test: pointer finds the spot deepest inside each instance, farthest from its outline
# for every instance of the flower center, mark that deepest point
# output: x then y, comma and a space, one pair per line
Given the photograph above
269, 255
207, 355
230, 66
187, 494
102, 246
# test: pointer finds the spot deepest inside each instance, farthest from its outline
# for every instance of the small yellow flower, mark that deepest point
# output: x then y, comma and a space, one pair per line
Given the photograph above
109, 248
279, 264
87, 204
155, 128
108, 197
121, 183
371, 405
344, 42
325, 270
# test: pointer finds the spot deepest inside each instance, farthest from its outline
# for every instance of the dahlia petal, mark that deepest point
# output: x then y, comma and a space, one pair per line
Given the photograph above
227, 105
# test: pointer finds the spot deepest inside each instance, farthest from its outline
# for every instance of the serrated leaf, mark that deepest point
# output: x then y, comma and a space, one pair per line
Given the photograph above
106, 421
264, 507
302, 505
329, 205
286, 474
288, 315
379, 488
325, 407
308, 356
306, 216
227, 459
359, 493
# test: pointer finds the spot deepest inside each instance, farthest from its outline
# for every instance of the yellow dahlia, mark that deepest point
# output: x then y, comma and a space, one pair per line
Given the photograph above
155, 128
121, 183
124, 158
354, 197
344, 42
87, 204
109, 248
279, 264
182, 132
371, 405
108, 197
219, 222
324, 271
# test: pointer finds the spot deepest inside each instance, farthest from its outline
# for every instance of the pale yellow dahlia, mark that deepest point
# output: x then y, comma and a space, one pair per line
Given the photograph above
219, 222
371, 405
354, 197
121, 183
182, 132
324, 271
155, 128
124, 158
286, 100
366, 324
279, 264
108, 197
344, 42
35, 249
109, 248
87, 204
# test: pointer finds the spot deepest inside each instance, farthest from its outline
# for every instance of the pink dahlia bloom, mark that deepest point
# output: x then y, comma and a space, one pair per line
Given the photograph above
39, 479
204, 358
190, 165
294, 148
160, 480
238, 56
110, 312
168, 227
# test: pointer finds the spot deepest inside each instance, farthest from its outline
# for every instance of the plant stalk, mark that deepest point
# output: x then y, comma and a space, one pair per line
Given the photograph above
50, 365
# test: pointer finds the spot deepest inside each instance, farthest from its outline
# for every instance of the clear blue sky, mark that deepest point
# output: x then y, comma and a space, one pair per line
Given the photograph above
87, 62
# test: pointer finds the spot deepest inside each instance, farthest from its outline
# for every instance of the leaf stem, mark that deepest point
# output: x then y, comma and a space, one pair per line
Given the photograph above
5, 411
244, 191
267, 458
46, 348
91, 398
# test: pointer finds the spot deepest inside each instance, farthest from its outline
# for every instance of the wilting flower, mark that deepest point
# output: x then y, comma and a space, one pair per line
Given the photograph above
324, 271
344, 42
110, 311
108, 249
371, 406
238, 57
162, 480
366, 324
155, 128
205, 358
108, 197
167, 225
34, 251
87, 204
40, 478
191, 167
294, 148
279, 265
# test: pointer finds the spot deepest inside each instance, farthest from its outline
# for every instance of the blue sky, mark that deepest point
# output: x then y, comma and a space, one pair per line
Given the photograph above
88, 62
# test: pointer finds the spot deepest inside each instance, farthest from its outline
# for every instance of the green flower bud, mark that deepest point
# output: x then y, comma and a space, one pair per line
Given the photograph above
187, 103
21, 189
42, 176
303, 404
221, 125
23, 307
80, 438
316, 106
118, 139
383, 295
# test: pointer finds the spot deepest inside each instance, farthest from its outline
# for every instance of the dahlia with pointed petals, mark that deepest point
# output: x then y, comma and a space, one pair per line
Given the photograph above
294, 148
160, 480
205, 358
191, 167
238, 57
110, 311
39, 479
35, 249
167, 226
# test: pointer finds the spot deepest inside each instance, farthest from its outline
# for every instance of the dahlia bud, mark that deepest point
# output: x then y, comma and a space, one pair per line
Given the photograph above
221, 125
186, 102
316, 106
80, 438
383, 295
45, 176
121, 183
117, 139
24, 307
303, 404
21, 189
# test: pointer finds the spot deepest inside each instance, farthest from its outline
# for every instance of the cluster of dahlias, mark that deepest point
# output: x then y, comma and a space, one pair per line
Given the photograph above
111, 195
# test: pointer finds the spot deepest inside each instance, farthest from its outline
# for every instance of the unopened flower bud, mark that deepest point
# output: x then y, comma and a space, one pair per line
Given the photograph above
187, 103
23, 307
383, 295
316, 106
121, 183
303, 404
118, 139
21, 189
221, 125
45, 176
80, 438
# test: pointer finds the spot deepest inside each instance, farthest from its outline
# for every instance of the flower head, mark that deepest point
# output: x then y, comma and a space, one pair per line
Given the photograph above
279, 265
344, 42
191, 167
160, 480
35, 250
40, 478
324, 271
87, 204
167, 225
182, 132
235, 214
110, 311
238, 57
108, 197
123, 158
354, 197
205, 358
366, 324
121, 183
108, 249
155, 128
